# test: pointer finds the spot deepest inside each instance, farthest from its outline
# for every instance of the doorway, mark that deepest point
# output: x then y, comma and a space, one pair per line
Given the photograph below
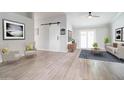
54, 37
48, 38
87, 38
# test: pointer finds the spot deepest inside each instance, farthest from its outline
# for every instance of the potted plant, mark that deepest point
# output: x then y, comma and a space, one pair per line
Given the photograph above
95, 45
106, 40
73, 41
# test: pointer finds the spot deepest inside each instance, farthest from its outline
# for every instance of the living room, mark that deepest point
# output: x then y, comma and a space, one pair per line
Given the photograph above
79, 39
100, 32
65, 46
84, 28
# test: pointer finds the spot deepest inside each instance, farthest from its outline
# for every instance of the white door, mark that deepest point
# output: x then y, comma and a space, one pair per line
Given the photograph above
54, 37
90, 39
83, 39
42, 42
87, 38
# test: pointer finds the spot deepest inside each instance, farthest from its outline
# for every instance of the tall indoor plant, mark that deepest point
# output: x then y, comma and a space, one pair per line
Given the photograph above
106, 40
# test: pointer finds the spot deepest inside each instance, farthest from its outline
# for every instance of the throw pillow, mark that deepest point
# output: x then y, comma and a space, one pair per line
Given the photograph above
29, 47
122, 44
115, 45
5, 50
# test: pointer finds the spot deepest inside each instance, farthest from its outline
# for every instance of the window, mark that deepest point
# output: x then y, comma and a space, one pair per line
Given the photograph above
87, 38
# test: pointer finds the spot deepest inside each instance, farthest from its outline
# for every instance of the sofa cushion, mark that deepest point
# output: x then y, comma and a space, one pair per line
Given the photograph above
122, 44
115, 50
110, 48
29, 47
115, 45
5, 50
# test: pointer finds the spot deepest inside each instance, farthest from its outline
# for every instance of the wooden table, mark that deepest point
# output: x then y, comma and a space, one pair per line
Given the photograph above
97, 51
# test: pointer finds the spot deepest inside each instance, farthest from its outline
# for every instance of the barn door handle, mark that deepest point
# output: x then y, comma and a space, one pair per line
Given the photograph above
57, 37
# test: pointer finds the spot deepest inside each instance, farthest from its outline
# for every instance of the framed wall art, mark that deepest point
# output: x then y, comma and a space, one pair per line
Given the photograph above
118, 34
13, 30
123, 34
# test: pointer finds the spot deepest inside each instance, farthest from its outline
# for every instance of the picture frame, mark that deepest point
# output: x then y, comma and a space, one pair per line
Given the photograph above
123, 34
118, 34
13, 30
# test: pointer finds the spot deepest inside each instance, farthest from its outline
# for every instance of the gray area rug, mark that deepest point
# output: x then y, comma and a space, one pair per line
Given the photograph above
86, 54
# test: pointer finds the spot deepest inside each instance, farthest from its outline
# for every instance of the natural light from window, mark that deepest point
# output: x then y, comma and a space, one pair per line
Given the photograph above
87, 38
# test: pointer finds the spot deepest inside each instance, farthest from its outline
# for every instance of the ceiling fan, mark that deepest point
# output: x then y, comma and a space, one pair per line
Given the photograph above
91, 16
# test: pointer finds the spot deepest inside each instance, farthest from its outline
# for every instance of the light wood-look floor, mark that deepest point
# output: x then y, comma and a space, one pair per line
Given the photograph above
60, 66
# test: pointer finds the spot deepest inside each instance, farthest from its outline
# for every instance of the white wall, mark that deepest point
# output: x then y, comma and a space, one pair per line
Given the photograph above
26, 14
29, 31
42, 42
119, 22
101, 33
0, 58
68, 23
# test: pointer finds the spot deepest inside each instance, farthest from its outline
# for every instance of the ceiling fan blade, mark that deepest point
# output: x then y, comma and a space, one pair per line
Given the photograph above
95, 16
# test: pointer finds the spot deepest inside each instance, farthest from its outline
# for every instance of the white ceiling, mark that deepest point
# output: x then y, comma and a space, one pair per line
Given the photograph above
48, 14
80, 19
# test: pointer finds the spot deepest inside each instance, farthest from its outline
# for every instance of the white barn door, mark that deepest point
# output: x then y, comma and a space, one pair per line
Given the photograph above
54, 37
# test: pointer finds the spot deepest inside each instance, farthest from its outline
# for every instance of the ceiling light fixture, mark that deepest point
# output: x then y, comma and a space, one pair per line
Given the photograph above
89, 17
92, 16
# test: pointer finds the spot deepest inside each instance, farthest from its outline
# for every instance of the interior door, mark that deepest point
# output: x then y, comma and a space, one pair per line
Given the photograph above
83, 39
43, 38
90, 39
87, 38
54, 37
